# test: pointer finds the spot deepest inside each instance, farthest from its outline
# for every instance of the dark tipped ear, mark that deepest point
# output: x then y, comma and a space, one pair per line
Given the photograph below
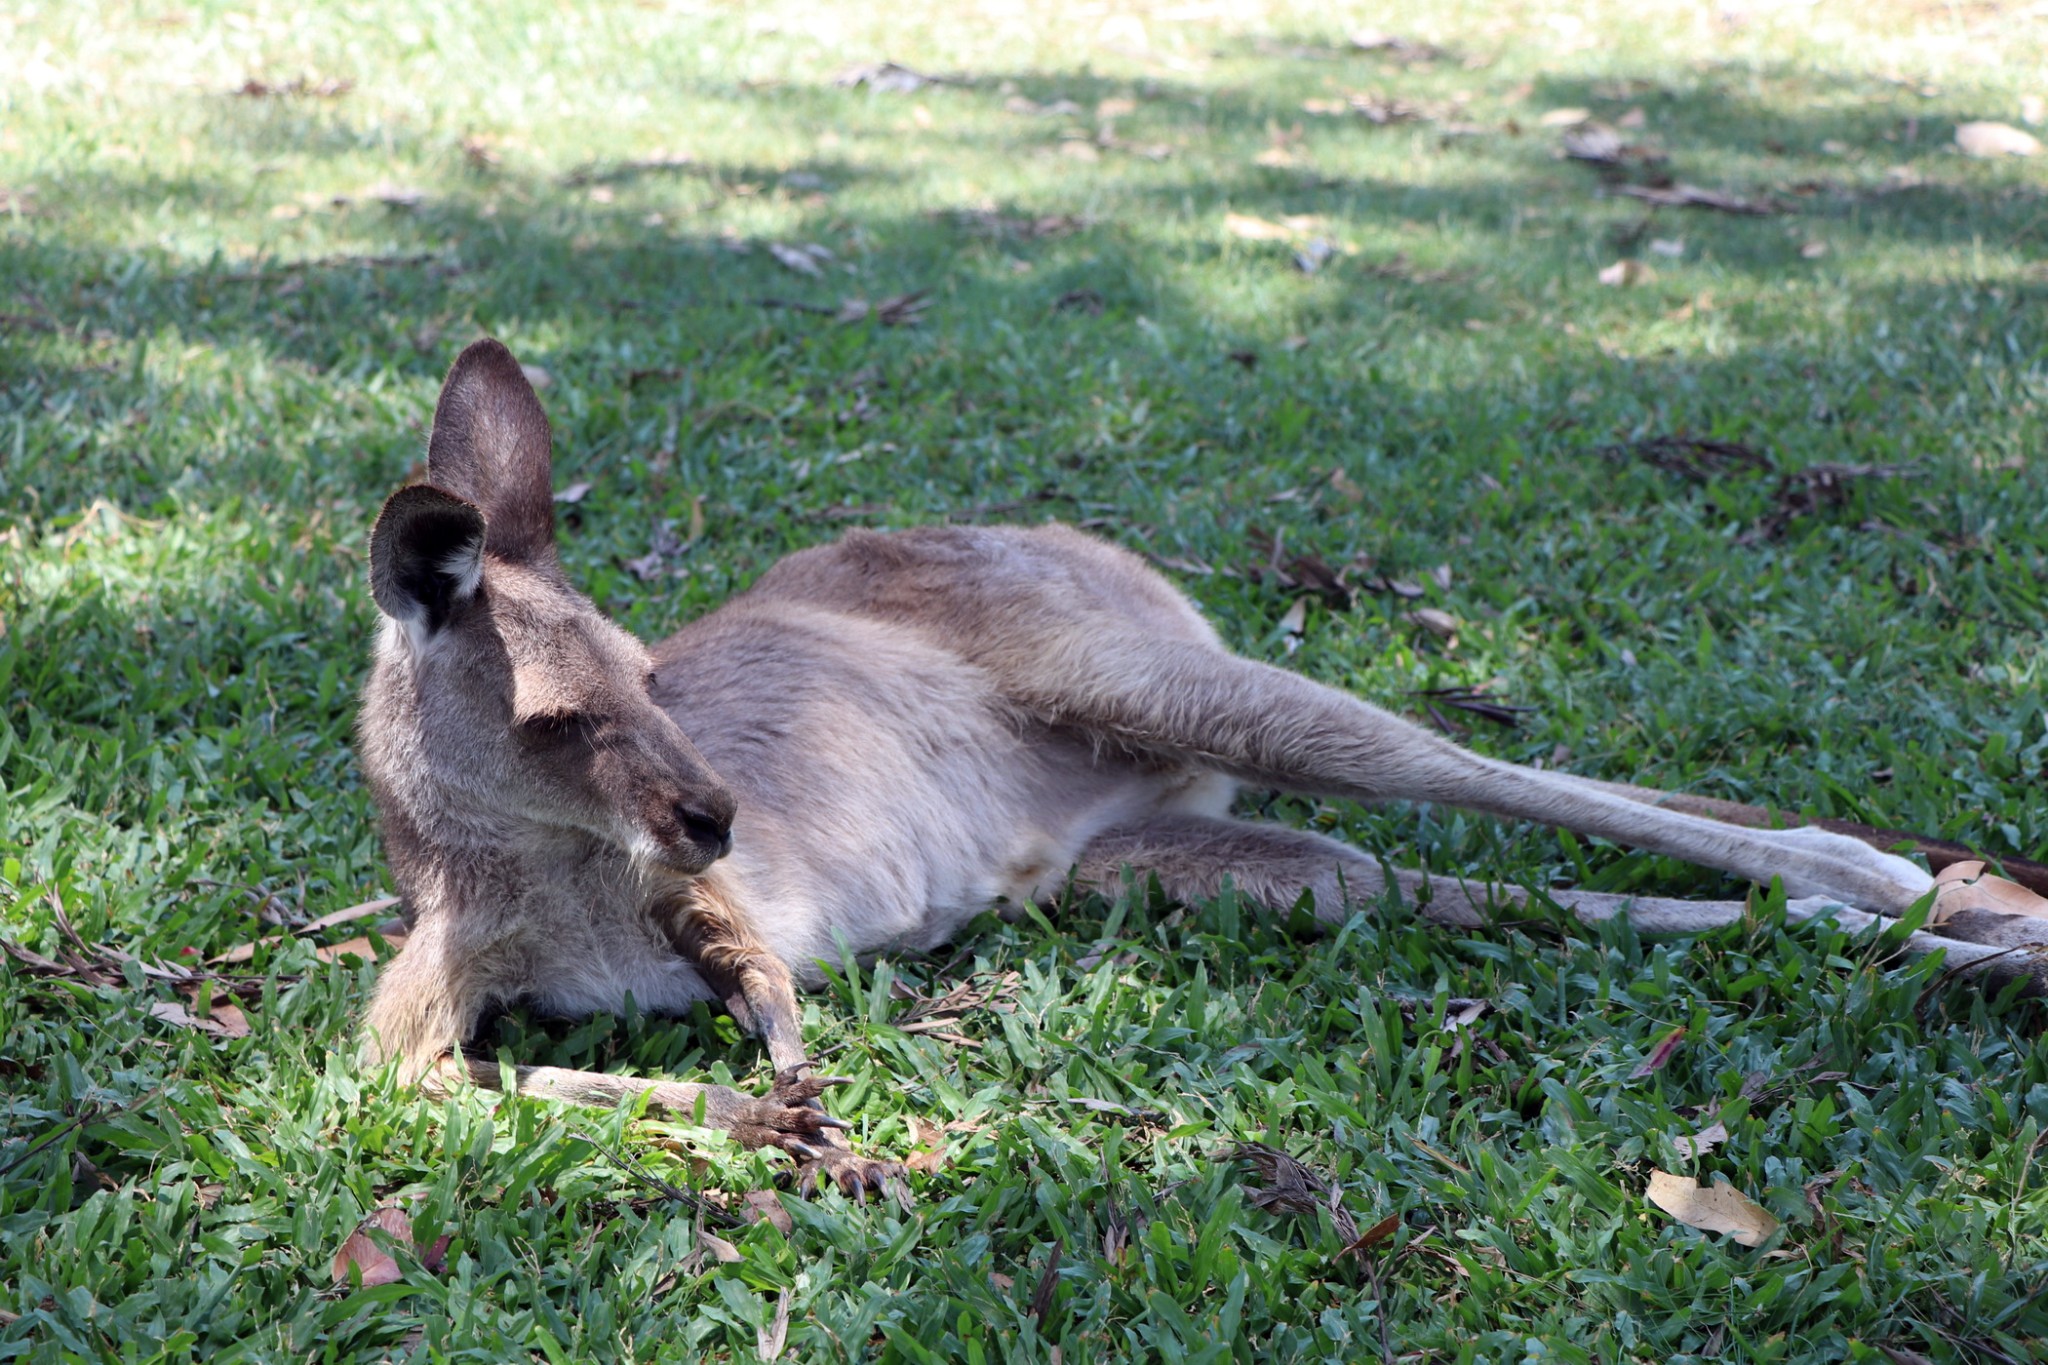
426, 557
490, 446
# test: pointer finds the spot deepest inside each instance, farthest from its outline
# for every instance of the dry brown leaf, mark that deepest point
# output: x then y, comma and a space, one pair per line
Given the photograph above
1374, 1235
1292, 1187
1967, 886
1660, 1055
220, 1010
390, 195
1254, 229
574, 493
1594, 141
725, 1251
889, 78
929, 1157
538, 376
1374, 106
1404, 50
1987, 139
1094, 958
898, 310
1712, 1208
215, 1024
770, 1339
1684, 196
354, 947
1313, 256
362, 1254
1436, 622
765, 1206
2033, 109
1623, 274
359, 1253
1048, 1286
242, 952
1702, 1142
324, 88
350, 915
1030, 108
1564, 118
804, 260
1291, 226
33, 960
1294, 622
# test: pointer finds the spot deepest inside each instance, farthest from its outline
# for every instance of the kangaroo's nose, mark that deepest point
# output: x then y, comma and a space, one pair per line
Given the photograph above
706, 829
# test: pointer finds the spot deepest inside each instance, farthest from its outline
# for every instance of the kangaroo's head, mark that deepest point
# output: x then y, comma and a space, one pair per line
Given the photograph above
507, 721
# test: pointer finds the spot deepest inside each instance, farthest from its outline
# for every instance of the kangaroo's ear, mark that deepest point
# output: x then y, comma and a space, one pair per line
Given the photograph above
426, 558
491, 446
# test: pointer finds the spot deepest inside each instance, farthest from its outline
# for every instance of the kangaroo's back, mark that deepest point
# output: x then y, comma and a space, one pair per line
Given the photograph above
988, 593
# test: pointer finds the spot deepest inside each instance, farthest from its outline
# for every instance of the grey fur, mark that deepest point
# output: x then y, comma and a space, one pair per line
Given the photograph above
899, 731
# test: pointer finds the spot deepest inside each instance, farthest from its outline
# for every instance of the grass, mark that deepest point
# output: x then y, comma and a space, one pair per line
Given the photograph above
218, 344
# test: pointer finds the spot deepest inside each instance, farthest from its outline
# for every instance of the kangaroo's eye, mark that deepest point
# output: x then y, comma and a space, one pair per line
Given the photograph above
652, 679
549, 725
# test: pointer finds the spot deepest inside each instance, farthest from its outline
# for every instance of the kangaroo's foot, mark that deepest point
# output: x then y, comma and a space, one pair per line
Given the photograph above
822, 1155
856, 1176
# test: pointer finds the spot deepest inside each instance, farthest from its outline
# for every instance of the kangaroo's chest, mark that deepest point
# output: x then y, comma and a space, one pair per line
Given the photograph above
887, 792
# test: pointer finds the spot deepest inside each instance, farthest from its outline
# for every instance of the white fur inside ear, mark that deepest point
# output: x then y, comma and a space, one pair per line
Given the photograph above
466, 568
407, 634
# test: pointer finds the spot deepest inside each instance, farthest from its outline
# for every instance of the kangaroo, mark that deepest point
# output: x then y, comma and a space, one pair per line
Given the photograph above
880, 739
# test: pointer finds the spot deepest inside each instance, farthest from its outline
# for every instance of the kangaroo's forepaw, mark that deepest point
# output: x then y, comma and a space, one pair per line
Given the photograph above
793, 1086
856, 1176
789, 1117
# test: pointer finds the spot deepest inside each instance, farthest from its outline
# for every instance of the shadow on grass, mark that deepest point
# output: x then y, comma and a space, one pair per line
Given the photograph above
1465, 320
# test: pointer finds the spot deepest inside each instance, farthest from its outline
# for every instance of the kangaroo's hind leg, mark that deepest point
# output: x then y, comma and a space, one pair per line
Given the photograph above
1267, 726
1272, 865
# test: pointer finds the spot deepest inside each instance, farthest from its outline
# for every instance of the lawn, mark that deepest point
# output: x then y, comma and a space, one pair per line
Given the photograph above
1318, 316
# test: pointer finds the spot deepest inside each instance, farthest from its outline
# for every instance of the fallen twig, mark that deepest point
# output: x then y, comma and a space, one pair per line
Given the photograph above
1683, 196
